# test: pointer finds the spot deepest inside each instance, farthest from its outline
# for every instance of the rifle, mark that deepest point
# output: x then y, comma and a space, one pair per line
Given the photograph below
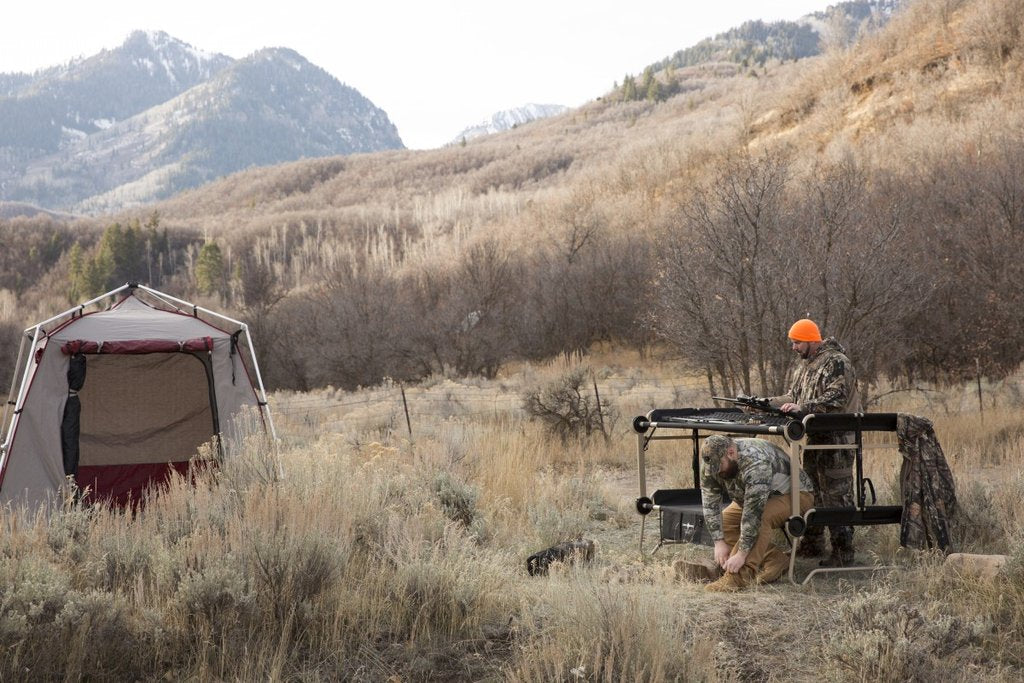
759, 404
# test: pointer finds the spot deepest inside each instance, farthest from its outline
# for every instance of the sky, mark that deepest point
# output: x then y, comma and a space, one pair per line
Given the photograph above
435, 66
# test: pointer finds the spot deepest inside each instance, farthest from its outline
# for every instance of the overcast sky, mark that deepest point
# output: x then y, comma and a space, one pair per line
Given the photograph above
435, 66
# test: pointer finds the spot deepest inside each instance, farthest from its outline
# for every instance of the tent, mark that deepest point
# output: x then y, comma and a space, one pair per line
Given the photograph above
117, 398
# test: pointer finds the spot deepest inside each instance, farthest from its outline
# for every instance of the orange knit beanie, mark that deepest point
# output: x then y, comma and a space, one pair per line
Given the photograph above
804, 330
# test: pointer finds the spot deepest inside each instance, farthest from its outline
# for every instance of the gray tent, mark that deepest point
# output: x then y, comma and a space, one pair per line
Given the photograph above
117, 398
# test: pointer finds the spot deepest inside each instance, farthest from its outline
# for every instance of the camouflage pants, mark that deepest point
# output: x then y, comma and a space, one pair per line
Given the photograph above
832, 474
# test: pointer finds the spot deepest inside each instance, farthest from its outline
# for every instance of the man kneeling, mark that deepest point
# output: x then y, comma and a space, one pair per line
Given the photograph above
756, 475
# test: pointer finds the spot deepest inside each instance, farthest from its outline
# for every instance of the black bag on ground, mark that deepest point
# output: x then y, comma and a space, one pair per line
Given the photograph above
581, 550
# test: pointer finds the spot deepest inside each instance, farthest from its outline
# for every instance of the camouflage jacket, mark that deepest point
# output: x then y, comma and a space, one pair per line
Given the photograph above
824, 383
926, 486
763, 472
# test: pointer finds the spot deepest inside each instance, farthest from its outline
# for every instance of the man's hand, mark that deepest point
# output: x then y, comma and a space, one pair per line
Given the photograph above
736, 562
722, 550
791, 408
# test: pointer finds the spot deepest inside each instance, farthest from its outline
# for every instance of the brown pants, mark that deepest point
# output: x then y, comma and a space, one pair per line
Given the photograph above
776, 511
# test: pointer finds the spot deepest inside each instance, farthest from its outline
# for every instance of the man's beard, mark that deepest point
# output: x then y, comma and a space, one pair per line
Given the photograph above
729, 470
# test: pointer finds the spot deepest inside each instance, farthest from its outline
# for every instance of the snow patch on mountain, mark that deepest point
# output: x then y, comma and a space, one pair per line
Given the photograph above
509, 119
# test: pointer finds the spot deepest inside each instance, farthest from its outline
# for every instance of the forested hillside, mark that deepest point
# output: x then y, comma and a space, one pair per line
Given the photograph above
877, 188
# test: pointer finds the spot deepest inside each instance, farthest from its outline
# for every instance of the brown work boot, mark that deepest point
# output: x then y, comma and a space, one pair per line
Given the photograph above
702, 570
730, 583
775, 565
839, 558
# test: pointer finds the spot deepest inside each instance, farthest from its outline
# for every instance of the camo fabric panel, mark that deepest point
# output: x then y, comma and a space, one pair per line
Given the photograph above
763, 472
926, 484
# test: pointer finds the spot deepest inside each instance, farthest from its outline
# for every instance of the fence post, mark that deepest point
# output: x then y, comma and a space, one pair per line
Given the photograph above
405, 406
981, 404
600, 413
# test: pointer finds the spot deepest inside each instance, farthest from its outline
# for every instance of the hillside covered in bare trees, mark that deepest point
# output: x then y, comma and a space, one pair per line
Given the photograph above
878, 188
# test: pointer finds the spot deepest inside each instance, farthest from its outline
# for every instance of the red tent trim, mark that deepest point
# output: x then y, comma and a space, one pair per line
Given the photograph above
138, 346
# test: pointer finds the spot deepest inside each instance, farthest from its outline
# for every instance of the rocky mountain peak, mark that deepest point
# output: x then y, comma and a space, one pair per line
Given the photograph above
155, 116
156, 52
508, 119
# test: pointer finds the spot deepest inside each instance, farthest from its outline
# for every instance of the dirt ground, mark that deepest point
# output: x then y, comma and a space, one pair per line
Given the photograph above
771, 632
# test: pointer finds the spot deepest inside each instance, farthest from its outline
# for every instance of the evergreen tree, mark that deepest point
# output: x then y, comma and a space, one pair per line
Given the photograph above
122, 255
648, 83
671, 81
210, 269
97, 276
654, 91
628, 89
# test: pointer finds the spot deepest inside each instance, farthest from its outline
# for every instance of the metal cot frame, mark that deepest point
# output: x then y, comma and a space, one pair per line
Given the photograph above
689, 423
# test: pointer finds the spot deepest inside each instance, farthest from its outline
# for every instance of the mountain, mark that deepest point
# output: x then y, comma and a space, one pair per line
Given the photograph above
156, 116
42, 112
509, 119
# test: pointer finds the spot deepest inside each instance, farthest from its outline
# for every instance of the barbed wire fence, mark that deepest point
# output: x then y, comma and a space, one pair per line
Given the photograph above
395, 408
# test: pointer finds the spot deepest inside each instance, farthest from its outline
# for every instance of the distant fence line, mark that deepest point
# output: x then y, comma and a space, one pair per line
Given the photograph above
384, 409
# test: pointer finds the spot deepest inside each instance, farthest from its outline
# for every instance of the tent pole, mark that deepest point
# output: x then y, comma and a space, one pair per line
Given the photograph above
167, 298
14, 384
81, 306
22, 390
263, 396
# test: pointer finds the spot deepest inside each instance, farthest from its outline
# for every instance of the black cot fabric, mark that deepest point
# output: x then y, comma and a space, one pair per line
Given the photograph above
69, 428
71, 422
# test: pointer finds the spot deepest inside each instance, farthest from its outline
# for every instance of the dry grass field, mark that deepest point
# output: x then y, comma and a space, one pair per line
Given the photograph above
383, 557
386, 538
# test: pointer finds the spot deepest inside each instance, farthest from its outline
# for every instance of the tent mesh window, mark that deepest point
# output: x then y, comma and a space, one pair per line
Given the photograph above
140, 414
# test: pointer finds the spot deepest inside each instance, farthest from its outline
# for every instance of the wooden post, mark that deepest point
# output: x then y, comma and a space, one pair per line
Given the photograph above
600, 414
405, 405
981, 404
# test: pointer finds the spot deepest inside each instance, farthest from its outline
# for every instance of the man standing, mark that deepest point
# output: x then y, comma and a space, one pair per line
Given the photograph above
823, 382
756, 475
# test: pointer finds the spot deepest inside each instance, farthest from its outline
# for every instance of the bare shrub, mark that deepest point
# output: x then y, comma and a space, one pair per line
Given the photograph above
462, 318
567, 408
855, 273
995, 29
292, 570
970, 320
723, 295
594, 297
980, 529
759, 248
217, 593
352, 315
458, 500
882, 636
